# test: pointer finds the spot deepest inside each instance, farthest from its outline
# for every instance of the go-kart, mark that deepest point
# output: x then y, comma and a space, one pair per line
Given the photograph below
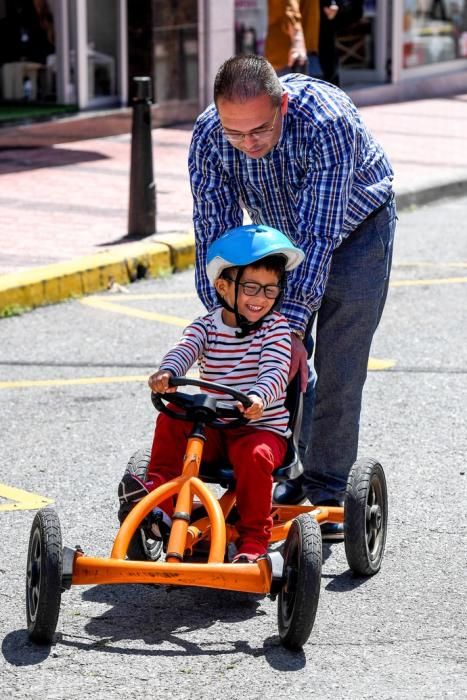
204, 526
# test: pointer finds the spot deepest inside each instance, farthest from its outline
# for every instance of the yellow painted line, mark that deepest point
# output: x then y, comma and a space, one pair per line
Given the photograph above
21, 500
118, 298
417, 263
38, 383
417, 283
375, 365
26, 384
118, 308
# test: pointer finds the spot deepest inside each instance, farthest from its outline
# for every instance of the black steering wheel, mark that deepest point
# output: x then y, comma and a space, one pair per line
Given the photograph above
203, 408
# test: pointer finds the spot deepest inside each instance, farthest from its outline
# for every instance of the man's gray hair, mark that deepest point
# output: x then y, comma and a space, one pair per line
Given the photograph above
244, 77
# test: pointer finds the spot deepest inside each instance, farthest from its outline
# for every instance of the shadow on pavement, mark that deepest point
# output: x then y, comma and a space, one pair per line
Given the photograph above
16, 160
17, 650
157, 615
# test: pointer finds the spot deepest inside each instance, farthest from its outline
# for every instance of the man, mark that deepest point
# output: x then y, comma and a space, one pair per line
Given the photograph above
295, 154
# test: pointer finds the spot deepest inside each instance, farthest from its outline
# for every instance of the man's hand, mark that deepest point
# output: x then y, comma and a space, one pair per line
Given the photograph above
298, 362
297, 51
159, 382
256, 409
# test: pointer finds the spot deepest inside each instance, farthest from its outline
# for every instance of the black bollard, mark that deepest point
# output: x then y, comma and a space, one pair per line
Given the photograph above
142, 206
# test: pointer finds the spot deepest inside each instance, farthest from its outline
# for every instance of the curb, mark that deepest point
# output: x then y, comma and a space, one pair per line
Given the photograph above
157, 255
417, 198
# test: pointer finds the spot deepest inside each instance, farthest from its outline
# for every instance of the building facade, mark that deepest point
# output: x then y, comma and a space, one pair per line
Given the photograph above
86, 52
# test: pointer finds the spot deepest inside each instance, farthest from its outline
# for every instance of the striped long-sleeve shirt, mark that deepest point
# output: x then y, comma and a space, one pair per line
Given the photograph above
325, 175
256, 364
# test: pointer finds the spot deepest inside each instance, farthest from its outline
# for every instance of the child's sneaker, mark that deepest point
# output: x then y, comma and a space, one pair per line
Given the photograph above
157, 526
130, 491
248, 552
244, 558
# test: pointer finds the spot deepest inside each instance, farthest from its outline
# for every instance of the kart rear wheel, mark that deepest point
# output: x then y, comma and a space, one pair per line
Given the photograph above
142, 548
44, 576
365, 517
298, 598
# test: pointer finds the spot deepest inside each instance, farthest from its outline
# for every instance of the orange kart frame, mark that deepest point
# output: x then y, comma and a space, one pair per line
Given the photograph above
213, 527
250, 578
292, 573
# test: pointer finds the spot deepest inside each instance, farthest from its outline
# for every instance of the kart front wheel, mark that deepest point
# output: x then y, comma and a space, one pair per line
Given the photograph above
141, 547
365, 517
298, 598
44, 576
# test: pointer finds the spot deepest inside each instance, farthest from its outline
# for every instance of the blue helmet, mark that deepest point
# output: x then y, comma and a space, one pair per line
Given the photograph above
244, 245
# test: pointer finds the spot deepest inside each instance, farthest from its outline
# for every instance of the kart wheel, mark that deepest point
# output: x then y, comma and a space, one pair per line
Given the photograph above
365, 517
298, 598
142, 548
44, 576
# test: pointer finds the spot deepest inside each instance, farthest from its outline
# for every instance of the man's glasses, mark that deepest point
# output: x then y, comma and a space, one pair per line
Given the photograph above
252, 289
258, 134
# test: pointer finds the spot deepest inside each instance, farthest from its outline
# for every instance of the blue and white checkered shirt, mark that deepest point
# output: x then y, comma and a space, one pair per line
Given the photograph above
325, 175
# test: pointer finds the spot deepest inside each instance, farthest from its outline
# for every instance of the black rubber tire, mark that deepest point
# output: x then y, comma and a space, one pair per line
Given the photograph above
141, 548
299, 596
365, 517
44, 576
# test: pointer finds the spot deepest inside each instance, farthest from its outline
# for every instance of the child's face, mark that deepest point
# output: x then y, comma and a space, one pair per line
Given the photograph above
252, 306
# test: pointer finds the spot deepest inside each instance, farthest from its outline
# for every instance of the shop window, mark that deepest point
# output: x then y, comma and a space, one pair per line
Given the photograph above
433, 31
102, 33
27, 39
176, 50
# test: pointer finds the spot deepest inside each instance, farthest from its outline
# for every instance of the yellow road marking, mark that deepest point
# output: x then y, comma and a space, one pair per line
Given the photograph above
415, 283
22, 500
24, 383
417, 263
375, 365
37, 383
118, 308
118, 298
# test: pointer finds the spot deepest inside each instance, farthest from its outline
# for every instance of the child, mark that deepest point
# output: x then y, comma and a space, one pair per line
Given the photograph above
245, 344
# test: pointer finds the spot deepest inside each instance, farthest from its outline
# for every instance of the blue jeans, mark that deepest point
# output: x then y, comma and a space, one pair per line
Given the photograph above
345, 324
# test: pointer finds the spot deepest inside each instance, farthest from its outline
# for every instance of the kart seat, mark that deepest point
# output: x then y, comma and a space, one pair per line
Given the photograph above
222, 473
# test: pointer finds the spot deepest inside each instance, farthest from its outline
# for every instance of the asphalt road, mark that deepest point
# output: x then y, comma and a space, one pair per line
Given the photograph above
74, 406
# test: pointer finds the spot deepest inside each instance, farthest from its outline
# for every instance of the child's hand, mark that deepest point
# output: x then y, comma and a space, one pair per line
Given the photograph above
256, 409
159, 382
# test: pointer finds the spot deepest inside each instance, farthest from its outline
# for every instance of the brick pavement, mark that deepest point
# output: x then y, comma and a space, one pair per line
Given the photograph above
64, 187
69, 199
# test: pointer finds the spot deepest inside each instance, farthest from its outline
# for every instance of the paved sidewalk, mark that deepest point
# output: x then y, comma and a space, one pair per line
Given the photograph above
64, 194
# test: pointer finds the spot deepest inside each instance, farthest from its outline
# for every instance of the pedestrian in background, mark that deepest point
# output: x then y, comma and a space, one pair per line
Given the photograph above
296, 155
322, 20
299, 28
285, 45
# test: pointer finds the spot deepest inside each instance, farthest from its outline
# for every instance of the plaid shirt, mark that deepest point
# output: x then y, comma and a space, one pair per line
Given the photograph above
325, 175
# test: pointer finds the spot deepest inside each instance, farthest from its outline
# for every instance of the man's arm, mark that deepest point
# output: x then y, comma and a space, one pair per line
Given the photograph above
322, 206
216, 206
294, 28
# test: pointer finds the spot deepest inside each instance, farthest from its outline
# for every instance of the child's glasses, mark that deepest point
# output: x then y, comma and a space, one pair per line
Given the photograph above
252, 289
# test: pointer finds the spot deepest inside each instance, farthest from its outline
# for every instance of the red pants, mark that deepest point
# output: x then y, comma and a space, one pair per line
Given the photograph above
253, 454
